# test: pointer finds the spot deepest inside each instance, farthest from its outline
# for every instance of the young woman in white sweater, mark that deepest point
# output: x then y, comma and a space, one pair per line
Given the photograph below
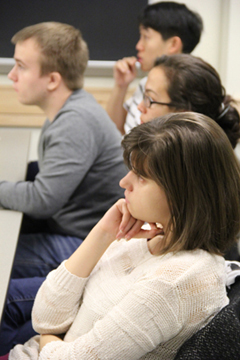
142, 296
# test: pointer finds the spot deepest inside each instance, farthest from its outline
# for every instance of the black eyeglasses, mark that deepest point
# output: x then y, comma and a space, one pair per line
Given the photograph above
148, 102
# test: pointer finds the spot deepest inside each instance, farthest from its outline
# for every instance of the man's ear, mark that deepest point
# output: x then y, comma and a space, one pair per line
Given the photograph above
174, 45
55, 80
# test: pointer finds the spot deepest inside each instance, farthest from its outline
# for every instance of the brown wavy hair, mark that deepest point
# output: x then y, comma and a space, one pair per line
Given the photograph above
194, 85
190, 157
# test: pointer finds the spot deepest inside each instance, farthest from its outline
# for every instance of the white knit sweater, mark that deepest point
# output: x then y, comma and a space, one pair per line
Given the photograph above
134, 305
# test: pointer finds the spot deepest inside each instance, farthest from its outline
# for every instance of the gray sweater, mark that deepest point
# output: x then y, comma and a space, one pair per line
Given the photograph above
80, 162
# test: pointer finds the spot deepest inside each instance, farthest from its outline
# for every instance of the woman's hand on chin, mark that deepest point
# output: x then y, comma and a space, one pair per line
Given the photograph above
149, 231
119, 222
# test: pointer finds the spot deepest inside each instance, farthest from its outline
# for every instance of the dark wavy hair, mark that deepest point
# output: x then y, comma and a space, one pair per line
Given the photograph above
170, 19
191, 158
194, 85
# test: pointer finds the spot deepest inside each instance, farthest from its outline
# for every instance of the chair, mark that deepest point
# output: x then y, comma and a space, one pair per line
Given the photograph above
220, 339
4, 357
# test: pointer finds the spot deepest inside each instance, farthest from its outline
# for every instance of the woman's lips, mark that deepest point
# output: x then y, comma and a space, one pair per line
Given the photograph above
126, 198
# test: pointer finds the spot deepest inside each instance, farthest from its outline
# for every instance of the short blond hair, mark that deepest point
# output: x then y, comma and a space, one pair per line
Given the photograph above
63, 50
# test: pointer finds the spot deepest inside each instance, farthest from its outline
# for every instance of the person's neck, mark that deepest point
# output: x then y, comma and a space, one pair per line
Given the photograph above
55, 102
156, 244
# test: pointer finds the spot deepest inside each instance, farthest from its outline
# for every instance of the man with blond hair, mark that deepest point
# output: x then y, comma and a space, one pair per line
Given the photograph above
80, 157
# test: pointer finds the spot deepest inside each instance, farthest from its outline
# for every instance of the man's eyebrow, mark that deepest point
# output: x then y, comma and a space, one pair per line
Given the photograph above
19, 61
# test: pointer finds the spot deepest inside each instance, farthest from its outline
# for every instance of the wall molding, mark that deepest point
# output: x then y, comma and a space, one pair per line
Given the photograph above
94, 69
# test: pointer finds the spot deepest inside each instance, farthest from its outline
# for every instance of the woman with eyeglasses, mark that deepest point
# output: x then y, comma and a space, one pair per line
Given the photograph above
186, 83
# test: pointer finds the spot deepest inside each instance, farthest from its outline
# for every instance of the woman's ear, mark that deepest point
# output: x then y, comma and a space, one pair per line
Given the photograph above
174, 45
55, 80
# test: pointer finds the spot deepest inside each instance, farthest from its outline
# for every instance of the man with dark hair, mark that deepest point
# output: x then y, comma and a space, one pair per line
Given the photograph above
80, 157
166, 28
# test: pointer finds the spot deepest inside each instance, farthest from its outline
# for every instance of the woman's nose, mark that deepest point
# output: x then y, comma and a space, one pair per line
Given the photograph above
125, 182
141, 107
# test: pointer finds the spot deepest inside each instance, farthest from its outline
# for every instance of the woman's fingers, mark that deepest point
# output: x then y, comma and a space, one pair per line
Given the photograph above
129, 225
126, 225
140, 231
134, 230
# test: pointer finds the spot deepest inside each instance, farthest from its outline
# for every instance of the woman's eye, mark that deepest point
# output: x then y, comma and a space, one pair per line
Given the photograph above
140, 178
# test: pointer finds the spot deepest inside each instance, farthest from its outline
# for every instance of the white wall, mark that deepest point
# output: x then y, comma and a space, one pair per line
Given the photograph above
232, 49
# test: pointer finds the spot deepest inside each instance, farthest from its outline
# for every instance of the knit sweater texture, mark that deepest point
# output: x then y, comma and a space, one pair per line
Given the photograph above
134, 305
81, 164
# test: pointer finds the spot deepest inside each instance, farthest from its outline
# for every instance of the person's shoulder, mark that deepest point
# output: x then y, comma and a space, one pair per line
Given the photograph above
191, 264
196, 258
81, 108
142, 82
80, 99
131, 104
83, 104
140, 88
